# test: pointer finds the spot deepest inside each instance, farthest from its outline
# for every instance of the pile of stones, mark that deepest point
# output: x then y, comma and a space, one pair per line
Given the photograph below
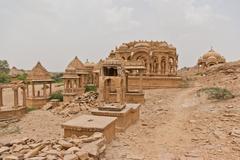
79, 104
74, 148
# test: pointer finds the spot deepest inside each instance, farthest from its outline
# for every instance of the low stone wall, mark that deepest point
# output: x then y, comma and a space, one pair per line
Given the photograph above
12, 113
36, 102
131, 97
154, 82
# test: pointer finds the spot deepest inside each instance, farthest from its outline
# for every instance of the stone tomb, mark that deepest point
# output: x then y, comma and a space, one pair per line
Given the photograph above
126, 114
88, 124
18, 108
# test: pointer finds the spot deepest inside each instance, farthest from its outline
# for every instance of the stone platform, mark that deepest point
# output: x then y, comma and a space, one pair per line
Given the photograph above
10, 112
155, 82
125, 117
88, 124
36, 102
131, 97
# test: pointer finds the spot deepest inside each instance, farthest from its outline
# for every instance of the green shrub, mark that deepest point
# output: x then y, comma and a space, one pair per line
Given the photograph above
22, 77
4, 77
57, 95
90, 88
30, 109
217, 93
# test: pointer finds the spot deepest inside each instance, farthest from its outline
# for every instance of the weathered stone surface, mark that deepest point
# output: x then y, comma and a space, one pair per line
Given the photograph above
37, 158
69, 148
33, 152
70, 157
82, 155
72, 150
65, 144
4, 149
10, 157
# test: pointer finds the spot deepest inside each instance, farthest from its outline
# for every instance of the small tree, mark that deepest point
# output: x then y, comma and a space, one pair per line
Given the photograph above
22, 77
4, 77
4, 66
57, 95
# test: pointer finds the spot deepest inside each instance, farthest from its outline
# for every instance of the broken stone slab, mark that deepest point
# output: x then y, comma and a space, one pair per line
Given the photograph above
54, 153
72, 150
70, 157
65, 144
4, 149
235, 132
82, 155
33, 152
37, 158
10, 157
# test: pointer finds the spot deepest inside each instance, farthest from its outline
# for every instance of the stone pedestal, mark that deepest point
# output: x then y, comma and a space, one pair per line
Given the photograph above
88, 124
131, 97
36, 102
125, 117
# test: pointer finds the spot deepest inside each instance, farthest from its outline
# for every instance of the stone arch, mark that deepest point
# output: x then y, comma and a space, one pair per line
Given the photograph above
113, 90
171, 64
144, 57
211, 64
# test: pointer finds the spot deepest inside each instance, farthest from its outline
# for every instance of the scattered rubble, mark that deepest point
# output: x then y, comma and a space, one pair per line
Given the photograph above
74, 148
79, 104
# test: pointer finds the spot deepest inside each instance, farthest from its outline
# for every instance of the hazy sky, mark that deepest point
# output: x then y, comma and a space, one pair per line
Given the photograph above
54, 31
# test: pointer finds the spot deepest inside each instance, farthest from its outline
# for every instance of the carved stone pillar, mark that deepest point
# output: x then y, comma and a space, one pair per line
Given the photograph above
77, 83
1, 97
126, 82
44, 90
27, 90
167, 66
148, 68
141, 82
24, 97
50, 88
83, 81
33, 90
15, 90
159, 65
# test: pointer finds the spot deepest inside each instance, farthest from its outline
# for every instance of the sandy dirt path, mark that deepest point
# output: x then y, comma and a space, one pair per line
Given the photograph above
161, 131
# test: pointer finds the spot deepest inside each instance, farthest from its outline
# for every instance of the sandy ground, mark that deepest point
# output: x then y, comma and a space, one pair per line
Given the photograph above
174, 123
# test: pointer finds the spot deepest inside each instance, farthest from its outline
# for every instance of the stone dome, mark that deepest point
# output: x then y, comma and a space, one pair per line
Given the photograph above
142, 44
212, 54
211, 58
123, 47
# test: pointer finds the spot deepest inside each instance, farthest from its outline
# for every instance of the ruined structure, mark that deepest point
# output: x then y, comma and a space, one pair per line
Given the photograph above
209, 59
159, 58
75, 79
114, 81
89, 68
40, 82
14, 72
89, 124
115, 97
18, 108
